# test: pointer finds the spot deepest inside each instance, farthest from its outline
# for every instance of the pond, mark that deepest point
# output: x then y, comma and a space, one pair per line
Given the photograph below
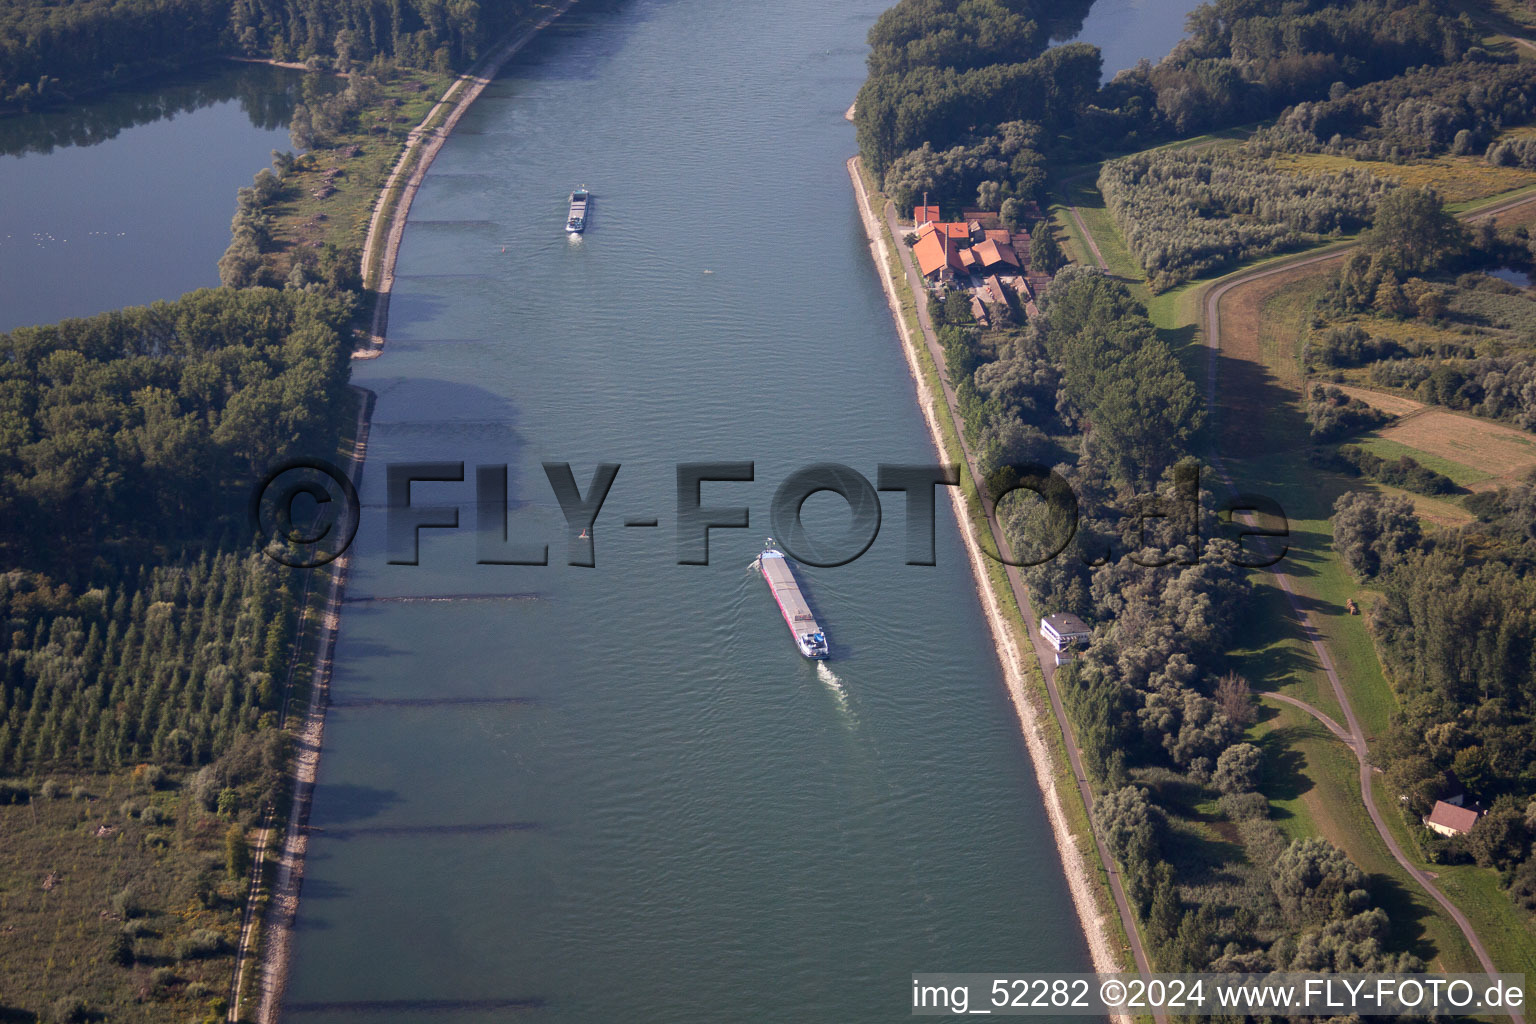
128, 198
1518, 278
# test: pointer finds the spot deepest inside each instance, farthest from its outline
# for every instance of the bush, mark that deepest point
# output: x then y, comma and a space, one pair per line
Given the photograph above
1238, 769
1245, 806
49, 790
67, 1010
1404, 472
202, 942
126, 902
1333, 414
79, 793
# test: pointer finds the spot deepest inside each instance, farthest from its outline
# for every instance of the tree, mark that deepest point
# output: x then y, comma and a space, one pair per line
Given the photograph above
1012, 214
122, 949
1238, 768
1500, 838
1045, 254
1373, 532
1235, 699
1315, 882
237, 852
1414, 233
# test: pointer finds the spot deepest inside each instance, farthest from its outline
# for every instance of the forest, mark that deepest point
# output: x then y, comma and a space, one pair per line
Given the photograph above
1090, 386
1457, 108
139, 626
56, 51
1458, 636
1185, 214
145, 641
1244, 60
115, 422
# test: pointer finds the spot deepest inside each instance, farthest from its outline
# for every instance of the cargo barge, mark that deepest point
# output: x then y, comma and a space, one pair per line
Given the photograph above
807, 633
576, 223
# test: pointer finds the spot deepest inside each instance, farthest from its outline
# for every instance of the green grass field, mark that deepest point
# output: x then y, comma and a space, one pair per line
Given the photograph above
1462, 475
1312, 781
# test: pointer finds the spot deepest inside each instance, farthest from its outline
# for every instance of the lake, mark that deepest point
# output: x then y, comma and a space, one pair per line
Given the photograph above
128, 198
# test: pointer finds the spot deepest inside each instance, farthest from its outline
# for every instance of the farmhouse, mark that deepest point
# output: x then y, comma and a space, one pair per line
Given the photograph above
1450, 820
976, 254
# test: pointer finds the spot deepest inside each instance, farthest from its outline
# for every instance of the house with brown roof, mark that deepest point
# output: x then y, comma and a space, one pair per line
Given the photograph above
1450, 820
992, 256
924, 215
936, 254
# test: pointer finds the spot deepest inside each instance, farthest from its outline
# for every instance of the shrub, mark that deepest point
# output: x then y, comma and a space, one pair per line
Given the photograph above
49, 790
1404, 472
202, 942
1238, 768
1245, 806
67, 1010
126, 902
1333, 414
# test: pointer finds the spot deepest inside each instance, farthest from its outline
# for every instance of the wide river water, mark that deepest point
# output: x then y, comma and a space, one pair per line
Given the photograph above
675, 817
616, 793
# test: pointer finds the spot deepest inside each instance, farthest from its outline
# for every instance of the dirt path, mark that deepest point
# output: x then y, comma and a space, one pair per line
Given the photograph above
1333, 727
249, 917
422, 146
1211, 329
1093, 246
277, 923
1009, 653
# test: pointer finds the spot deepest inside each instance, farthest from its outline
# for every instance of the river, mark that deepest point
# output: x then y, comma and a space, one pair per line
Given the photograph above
127, 198
616, 793
679, 818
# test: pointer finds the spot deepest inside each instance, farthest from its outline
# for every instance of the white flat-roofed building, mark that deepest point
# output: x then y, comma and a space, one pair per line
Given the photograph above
1065, 631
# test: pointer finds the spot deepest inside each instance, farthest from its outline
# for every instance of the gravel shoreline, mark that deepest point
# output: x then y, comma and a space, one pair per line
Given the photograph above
1079, 880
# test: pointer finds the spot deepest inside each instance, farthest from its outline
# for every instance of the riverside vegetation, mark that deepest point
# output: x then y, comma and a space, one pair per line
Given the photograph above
968, 103
145, 643
52, 52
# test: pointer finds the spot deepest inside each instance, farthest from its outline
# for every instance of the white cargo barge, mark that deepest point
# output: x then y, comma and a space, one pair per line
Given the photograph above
807, 633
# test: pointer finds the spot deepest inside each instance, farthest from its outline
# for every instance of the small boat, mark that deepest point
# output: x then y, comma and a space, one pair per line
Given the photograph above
807, 633
576, 223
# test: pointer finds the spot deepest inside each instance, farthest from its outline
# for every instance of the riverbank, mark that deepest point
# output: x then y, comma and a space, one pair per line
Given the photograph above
1048, 768
386, 227
273, 937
